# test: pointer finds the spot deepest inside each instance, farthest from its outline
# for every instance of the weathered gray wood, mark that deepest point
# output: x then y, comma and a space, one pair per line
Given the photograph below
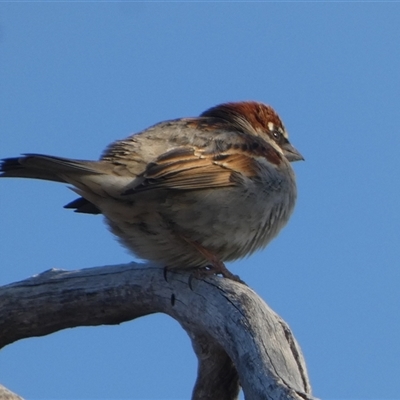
217, 376
6, 394
235, 335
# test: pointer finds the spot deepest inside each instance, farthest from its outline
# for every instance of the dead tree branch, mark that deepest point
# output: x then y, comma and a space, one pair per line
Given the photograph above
238, 339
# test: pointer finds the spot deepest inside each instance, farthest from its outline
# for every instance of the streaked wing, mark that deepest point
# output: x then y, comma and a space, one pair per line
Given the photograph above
191, 169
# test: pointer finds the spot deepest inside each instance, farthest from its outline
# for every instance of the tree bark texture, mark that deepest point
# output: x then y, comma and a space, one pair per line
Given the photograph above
239, 341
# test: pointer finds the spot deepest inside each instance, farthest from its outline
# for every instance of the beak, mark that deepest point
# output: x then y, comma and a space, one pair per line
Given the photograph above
291, 153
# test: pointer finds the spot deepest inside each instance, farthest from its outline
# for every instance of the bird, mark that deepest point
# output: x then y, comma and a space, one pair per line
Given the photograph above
187, 193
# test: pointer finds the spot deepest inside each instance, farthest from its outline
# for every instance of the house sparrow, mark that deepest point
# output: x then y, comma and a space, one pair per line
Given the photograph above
189, 192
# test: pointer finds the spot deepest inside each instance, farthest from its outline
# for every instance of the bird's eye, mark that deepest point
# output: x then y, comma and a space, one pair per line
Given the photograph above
276, 134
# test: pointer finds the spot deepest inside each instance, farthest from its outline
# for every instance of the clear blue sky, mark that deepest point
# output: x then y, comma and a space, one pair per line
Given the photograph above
76, 76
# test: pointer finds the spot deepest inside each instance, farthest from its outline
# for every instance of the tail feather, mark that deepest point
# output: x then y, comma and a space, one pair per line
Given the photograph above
81, 205
38, 166
58, 169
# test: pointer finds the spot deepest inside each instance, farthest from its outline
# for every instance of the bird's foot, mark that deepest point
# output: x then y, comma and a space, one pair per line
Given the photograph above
218, 267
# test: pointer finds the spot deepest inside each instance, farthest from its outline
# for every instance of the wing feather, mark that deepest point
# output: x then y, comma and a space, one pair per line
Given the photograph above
191, 169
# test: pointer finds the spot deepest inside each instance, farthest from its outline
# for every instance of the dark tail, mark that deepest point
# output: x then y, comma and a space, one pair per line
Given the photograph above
38, 166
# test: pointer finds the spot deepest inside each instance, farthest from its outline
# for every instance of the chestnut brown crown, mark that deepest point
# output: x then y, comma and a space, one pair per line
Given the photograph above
257, 119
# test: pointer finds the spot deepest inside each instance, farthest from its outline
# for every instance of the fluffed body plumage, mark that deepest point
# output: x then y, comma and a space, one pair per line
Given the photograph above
187, 192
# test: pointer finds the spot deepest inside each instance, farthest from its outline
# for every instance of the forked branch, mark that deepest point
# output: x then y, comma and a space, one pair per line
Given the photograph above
238, 339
